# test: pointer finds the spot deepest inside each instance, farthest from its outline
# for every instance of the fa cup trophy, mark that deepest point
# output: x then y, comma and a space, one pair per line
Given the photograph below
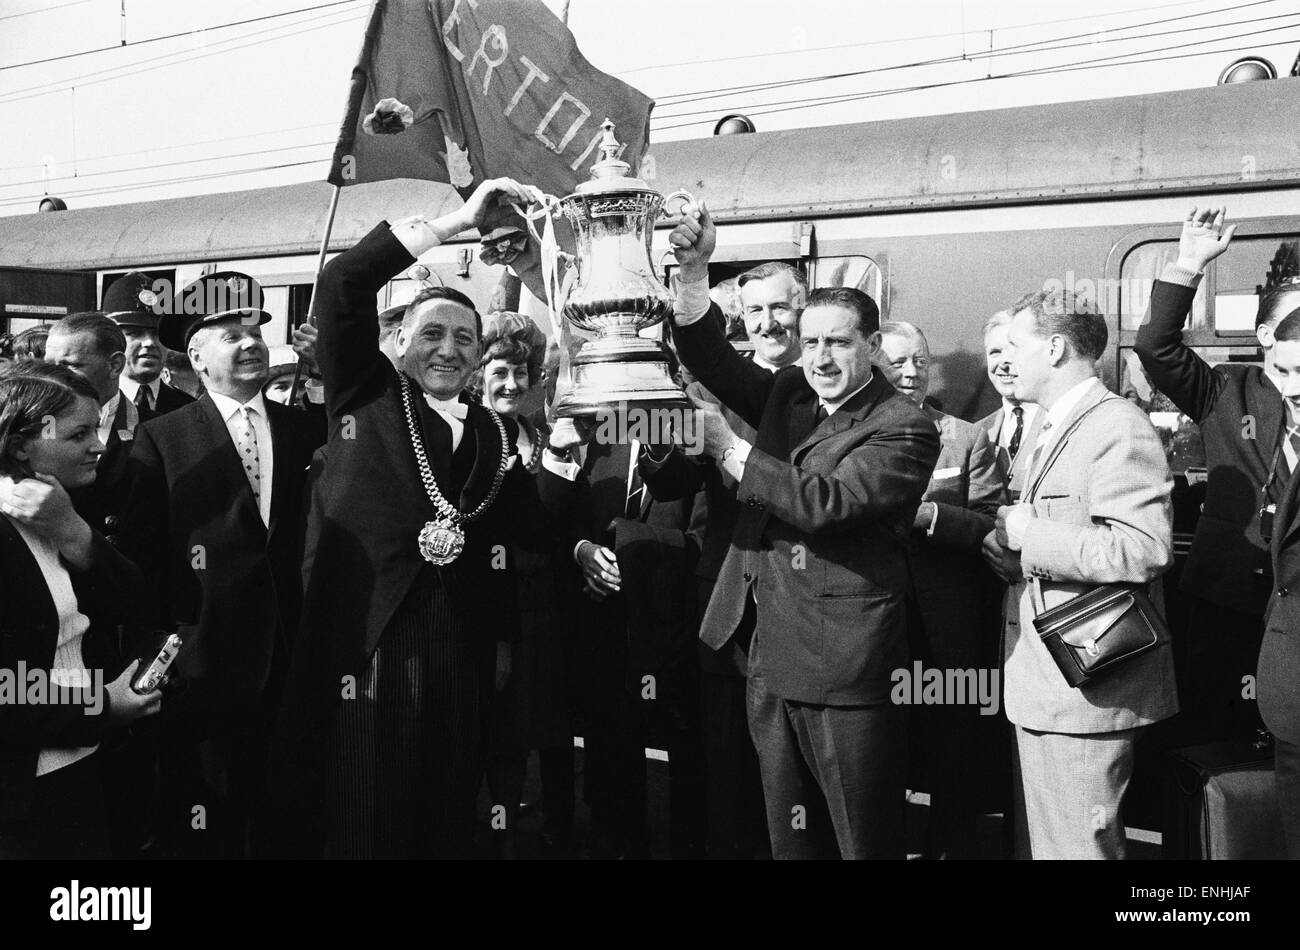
616, 293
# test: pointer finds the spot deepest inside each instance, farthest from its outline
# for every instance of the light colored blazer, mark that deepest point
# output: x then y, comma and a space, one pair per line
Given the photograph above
1102, 516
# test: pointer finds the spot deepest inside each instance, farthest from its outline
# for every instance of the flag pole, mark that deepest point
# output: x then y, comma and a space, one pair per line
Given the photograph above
315, 282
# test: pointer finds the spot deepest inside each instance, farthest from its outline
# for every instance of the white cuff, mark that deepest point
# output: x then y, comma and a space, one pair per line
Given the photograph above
733, 459
576, 548
934, 520
692, 302
1017, 522
565, 470
416, 235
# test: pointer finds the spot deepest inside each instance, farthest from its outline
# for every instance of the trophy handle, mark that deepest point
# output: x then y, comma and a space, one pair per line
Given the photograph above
684, 195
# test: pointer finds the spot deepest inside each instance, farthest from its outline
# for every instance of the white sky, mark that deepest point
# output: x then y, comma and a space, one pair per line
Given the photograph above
124, 124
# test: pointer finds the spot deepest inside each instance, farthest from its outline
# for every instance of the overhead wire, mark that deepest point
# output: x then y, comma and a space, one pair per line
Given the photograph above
173, 36
181, 56
1037, 46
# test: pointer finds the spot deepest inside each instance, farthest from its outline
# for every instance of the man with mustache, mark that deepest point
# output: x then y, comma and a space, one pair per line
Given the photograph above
214, 518
772, 296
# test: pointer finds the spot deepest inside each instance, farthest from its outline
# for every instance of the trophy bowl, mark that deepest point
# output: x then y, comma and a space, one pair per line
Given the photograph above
616, 293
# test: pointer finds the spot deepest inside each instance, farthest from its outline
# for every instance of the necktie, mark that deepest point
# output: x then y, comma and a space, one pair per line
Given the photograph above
821, 414
142, 399
1014, 446
635, 486
1038, 450
246, 442
1293, 443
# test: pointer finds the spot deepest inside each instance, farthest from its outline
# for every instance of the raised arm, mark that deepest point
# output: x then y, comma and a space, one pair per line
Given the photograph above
697, 324
347, 347
1174, 367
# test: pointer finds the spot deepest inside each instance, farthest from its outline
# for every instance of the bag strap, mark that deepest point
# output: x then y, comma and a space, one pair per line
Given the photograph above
1035, 585
1060, 445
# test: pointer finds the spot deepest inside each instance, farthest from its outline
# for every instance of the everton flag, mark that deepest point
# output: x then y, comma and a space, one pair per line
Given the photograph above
461, 91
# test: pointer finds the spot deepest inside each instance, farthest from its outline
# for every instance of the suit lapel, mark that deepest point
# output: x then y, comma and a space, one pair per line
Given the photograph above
1270, 417
1095, 394
216, 432
487, 457
279, 420
853, 411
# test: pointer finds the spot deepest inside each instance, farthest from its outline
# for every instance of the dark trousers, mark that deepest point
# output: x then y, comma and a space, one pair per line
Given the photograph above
833, 776
737, 821
1219, 649
406, 753
622, 716
1286, 765
66, 821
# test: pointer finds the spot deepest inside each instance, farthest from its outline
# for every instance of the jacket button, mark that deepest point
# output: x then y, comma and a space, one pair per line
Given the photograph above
110, 522
749, 502
748, 577
1282, 591
111, 539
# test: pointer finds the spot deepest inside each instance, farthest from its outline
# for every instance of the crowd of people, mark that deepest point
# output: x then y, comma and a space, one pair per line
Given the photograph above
390, 593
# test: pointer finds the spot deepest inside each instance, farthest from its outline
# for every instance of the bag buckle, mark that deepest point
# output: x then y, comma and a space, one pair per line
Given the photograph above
1091, 646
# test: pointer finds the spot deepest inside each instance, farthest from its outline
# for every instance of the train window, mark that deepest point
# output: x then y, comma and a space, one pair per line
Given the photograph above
275, 301
853, 271
1242, 271
1141, 268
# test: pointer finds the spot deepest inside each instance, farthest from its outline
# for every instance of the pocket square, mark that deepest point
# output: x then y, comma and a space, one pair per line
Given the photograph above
946, 472
125, 435
511, 463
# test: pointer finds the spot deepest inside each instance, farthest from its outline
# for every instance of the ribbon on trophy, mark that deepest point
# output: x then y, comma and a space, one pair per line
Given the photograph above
557, 288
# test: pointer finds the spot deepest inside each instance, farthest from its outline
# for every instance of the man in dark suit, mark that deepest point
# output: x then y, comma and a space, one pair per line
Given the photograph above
133, 304
952, 624
1279, 656
215, 519
409, 593
92, 344
1014, 423
636, 652
772, 297
1249, 458
830, 487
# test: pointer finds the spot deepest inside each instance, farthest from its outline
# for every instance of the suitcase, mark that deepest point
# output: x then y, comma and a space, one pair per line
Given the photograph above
1221, 803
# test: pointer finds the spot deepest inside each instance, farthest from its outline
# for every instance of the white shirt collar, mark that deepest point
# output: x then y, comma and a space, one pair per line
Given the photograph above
1062, 408
770, 367
130, 387
452, 407
229, 407
109, 409
831, 407
1008, 408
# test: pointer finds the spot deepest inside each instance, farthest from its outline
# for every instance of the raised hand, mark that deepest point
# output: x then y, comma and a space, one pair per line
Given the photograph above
693, 242
1203, 239
494, 189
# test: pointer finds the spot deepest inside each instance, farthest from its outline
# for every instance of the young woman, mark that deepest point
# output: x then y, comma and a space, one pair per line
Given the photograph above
62, 588
532, 712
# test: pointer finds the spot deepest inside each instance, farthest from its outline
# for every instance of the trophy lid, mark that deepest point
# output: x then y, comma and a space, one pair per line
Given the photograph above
611, 173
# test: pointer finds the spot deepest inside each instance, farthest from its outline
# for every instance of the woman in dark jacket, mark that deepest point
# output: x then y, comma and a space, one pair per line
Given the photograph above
62, 588
532, 711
